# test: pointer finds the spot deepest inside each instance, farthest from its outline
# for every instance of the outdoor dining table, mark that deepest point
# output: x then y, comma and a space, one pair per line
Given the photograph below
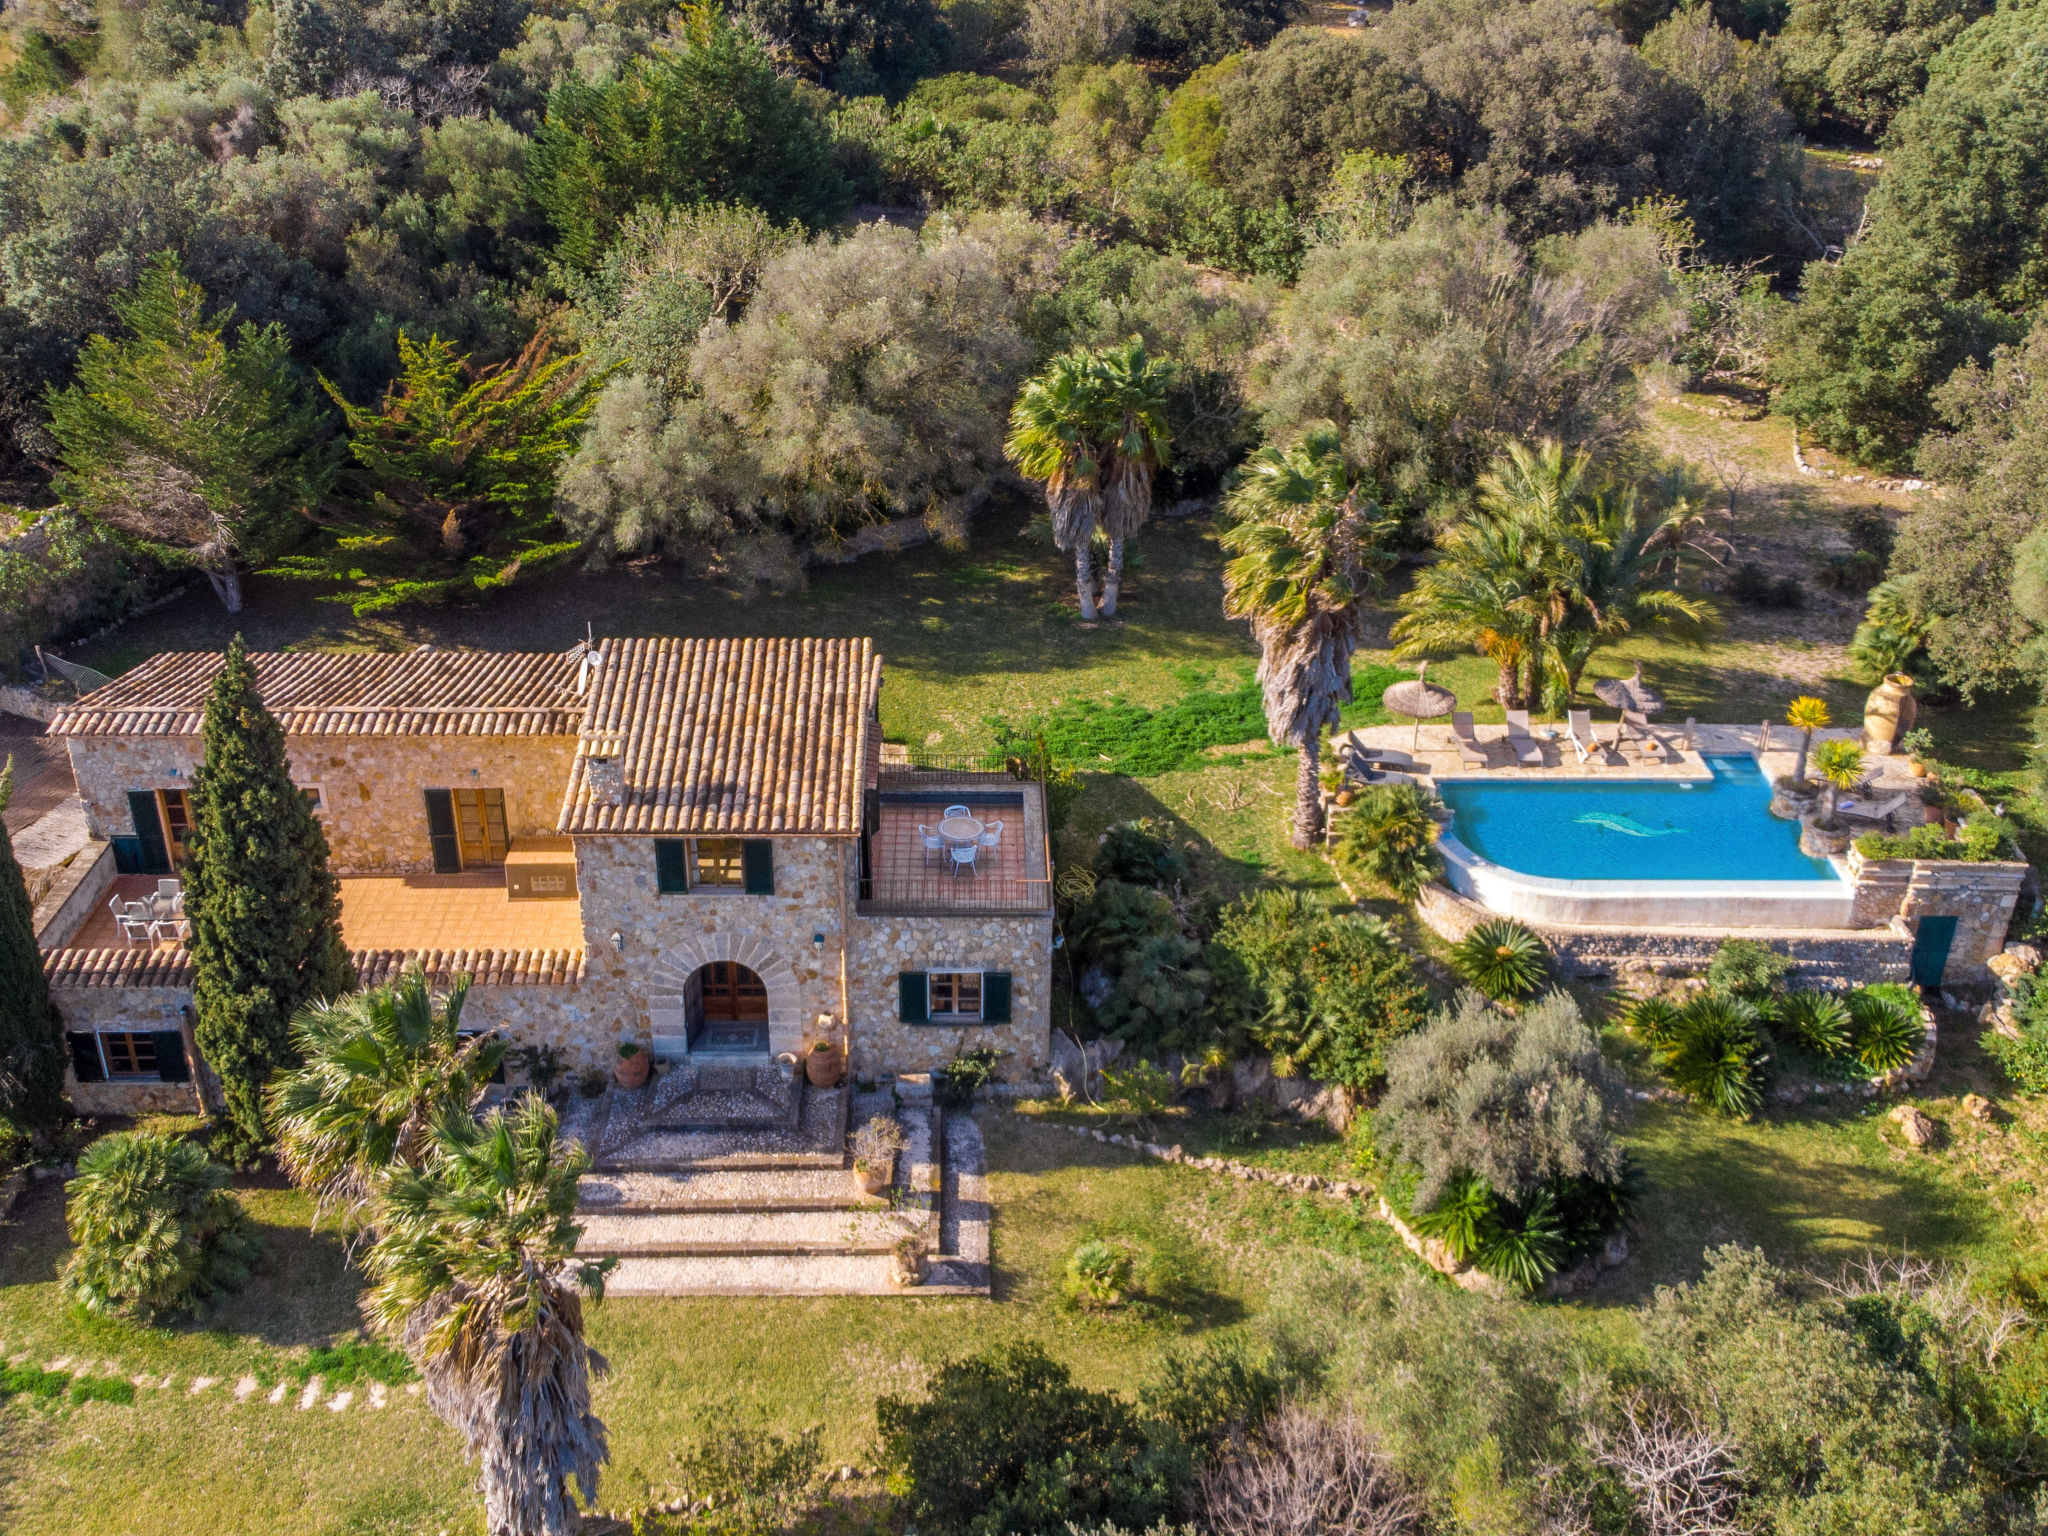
960, 829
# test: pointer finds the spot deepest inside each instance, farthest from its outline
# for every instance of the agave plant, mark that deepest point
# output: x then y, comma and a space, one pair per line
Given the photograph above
1715, 1054
1652, 1019
1462, 1216
1502, 959
1524, 1246
1887, 1027
1817, 1021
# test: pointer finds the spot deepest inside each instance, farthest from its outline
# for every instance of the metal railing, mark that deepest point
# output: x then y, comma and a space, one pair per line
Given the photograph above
942, 895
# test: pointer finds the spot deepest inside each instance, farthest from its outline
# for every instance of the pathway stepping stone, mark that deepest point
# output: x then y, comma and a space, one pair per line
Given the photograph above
339, 1401
311, 1395
200, 1384
277, 1393
378, 1397
245, 1388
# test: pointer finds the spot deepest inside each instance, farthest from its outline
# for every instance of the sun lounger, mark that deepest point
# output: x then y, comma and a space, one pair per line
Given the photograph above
1579, 732
1635, 726
1468, 743
1878, 811
1527, 753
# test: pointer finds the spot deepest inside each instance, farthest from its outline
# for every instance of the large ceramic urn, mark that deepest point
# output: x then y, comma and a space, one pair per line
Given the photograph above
1888, 714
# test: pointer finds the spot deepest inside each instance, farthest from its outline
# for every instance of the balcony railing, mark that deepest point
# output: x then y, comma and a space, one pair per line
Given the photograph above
944, 895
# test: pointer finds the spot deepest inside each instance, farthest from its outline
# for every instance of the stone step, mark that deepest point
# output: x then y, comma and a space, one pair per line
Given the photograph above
755, 1233
783, 1275
721, 1189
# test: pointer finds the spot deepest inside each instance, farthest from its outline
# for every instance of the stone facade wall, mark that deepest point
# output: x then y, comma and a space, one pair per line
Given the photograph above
91, 1010
885, 946
1980, 896
375, 816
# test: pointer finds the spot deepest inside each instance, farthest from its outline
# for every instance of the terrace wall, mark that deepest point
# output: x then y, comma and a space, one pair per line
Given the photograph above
375, 817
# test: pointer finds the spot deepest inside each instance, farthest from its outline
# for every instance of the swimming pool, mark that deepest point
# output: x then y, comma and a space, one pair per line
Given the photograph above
1640, 830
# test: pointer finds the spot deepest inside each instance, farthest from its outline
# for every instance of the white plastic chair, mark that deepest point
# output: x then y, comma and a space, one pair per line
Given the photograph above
955, 810
933, 843
174, 930
133, 919
961, 856
166, 889
991, 835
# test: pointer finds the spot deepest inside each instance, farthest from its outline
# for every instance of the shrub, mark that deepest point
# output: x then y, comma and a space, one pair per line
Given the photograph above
1652, 1019
1098, 1274
1118, 917
1390, 835
1502, 958
954, 1084
1886, 1027
1523, 1245
1460, 1217
747, 1480
1142, 1091
1817, 1022
1213, 1393
1983, 839
1161, 992
2025, 1060
1004, 1442
1309, 1472
1748, 970
154, 1228
1716, 1054
1136, 853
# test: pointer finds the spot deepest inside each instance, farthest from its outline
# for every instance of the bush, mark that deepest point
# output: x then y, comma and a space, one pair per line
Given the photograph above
1143, 1092
1982, 841
1502, 958
1817, 1022
954, 1084
1390, 835
154, 1229
1652, 1019
2025, 1060
1213, 1393
1136, 853
1885, 1026
1716, 1054
1098, 1275
1003, 1442
1748, 970
1308, 1472
1116, 918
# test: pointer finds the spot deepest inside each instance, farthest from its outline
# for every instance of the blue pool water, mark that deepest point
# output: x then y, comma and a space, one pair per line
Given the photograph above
1716, 830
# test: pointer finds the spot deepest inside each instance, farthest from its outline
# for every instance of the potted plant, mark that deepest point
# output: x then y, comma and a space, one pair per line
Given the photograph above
824, 1064
875, 1146
911, 1253
1919, 745
634, 1063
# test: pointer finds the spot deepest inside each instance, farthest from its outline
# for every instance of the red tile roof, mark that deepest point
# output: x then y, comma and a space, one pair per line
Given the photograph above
140, 967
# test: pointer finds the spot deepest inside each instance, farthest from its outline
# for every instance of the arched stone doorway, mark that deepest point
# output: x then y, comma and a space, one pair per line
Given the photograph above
723, 999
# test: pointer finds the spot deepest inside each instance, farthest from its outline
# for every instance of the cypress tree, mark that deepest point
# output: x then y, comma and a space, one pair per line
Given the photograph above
265, 911
31, 1037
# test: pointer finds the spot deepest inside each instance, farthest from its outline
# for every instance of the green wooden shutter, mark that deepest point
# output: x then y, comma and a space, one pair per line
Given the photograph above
149, 832
995, 997
757, 866
171, 1065
85, 1057
441, 832
911, 998
671, 866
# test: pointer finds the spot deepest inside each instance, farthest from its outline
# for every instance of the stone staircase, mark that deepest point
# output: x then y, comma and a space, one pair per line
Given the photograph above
732, 1182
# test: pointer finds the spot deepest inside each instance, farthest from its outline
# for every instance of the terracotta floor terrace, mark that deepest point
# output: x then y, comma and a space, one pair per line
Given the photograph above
467, 911
1011, 876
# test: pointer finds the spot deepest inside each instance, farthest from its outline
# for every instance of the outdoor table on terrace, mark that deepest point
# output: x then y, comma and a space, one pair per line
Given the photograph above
960, 829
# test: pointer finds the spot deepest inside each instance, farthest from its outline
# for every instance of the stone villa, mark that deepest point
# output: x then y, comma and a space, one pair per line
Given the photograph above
702, 846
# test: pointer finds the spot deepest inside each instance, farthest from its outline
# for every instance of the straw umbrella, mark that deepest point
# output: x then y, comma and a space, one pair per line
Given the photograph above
1420, 699
1629, 693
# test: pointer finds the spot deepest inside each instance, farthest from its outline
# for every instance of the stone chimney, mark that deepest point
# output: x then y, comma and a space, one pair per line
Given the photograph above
606, 777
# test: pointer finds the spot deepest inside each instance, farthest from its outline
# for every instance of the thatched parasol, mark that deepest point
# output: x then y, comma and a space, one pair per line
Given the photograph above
1629, 693
1421, 699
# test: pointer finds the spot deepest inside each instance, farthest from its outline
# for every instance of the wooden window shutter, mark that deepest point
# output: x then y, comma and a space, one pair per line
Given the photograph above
910, 994
995, 997
85, 1057
441, 832
757, 866
149, 832
671, 866
171, 1065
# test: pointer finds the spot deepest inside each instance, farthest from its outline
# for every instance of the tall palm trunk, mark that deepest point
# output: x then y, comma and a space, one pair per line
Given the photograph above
1112, 577
1308, 794
1084, 578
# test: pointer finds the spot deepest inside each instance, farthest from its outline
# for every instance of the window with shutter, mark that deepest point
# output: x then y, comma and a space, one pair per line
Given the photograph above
171, 1065
910, 995
995, 997
441, 832
757, 854
671, 866
85, 1056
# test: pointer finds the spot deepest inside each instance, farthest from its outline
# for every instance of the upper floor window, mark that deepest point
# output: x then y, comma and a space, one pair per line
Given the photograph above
713, 864
718, 863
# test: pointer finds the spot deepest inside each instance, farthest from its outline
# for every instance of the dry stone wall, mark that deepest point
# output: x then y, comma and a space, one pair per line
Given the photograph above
373, 786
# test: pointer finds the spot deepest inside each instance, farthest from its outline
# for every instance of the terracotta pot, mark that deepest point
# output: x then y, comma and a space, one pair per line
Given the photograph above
874, 1181
1888, 713
1919, 769
823, 1069
1345, 797
631, 1071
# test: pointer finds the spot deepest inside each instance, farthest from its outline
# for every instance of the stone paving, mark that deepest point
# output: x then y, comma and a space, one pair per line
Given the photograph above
245, 1390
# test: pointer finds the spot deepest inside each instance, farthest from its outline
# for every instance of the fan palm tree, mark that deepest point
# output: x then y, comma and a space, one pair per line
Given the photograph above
475, 1269
1131, 395
378, 1067
1806, 714
1054, 438
1307, 543
1839, 764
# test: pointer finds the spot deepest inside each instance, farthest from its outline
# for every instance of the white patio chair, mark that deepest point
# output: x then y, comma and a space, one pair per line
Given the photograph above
132, 919
166, 889
1579, 732
170, 930
961, 856
932, 842
956, 810
991, 835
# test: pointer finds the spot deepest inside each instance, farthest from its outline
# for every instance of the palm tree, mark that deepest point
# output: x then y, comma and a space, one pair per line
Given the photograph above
1839, 764
1617, 588
379, 1066
1477, 593
1053, 438
1307, 543
1806, 715
1132, 399
475, 1269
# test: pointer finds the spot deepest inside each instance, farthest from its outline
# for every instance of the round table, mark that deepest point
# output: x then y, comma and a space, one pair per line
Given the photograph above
960, 829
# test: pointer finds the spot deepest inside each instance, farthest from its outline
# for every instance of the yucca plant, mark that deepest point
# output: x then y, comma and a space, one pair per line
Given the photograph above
1523, 1246
1715, 1054
1502, 958
1461, 1217
154, 1229
1886, 1027
1818, 1021
1652, 1019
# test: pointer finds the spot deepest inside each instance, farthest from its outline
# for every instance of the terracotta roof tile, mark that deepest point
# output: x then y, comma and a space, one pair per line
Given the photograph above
424, 692
138, 967
731, 735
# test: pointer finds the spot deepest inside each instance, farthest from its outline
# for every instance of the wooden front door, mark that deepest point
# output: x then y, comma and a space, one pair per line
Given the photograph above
732, 994
480, 826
